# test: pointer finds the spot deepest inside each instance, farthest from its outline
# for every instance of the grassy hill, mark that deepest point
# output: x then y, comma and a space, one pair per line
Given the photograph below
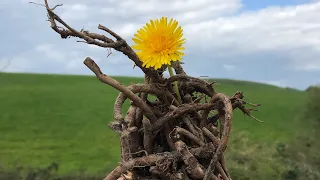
63, 119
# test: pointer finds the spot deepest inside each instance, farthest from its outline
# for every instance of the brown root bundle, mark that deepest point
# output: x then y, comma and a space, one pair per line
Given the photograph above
161, 138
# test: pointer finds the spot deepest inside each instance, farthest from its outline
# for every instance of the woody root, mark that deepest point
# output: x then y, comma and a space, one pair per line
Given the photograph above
168, 132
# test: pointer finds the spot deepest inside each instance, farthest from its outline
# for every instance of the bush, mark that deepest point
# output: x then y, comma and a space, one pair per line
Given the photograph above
313, 104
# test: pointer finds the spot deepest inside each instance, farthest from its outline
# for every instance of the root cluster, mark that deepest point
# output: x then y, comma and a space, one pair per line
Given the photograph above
160, 137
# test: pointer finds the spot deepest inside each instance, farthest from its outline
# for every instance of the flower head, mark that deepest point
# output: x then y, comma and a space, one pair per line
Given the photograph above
159, 42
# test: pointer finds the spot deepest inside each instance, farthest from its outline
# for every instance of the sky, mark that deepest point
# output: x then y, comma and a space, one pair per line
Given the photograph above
269, 41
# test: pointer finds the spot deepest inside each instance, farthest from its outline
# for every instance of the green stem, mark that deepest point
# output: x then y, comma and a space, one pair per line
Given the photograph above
175, 85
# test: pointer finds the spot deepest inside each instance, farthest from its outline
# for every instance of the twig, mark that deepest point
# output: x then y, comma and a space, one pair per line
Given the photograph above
214, 139
178, 68
135, 143
125, 146
201, 136
147, 137
110, 81
131, 114
117, 110
91, 38
116, 126
221, 171
216, 142
188, 99
167, 130
110, 32
159, 172
224, 166
194, 168
57, 6
183, 131
197, 85
226, 123
247, 112
152, 159
162, 94
213, 129
187, 121
115, 174
181, 110
144, 89
37, 4
80, 34
138, 118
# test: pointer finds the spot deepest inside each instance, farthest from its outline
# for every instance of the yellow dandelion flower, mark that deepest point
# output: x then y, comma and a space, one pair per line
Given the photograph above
159, 43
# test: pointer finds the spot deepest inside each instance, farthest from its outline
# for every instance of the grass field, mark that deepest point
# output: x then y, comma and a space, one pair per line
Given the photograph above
63, 119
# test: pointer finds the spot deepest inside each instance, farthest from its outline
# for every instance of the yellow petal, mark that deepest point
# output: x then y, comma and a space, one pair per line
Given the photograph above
159, 42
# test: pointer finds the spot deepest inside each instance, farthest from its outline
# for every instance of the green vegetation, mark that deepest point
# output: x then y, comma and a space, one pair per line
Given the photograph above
63, 119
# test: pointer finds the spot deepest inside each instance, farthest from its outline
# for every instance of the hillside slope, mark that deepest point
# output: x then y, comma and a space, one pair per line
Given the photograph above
63, 119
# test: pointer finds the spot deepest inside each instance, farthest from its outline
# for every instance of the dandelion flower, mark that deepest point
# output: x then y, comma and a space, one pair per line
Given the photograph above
159, 42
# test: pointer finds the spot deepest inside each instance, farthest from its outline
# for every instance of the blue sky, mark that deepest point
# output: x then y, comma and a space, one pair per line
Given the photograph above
256, 4
275, 42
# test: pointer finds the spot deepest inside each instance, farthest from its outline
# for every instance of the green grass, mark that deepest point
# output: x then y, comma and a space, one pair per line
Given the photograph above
63, 119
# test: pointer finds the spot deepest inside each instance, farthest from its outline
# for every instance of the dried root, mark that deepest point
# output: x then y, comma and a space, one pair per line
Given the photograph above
161, 138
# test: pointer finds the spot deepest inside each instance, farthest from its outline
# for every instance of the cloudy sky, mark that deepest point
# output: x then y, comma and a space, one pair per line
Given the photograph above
271, 41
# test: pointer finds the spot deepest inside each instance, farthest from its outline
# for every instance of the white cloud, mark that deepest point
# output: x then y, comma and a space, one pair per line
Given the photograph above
75, 12
278, 30
267, 29
51, 52
309, 67
126, 30
218, 34
15, 64
188, 9
4, 63
229, 67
